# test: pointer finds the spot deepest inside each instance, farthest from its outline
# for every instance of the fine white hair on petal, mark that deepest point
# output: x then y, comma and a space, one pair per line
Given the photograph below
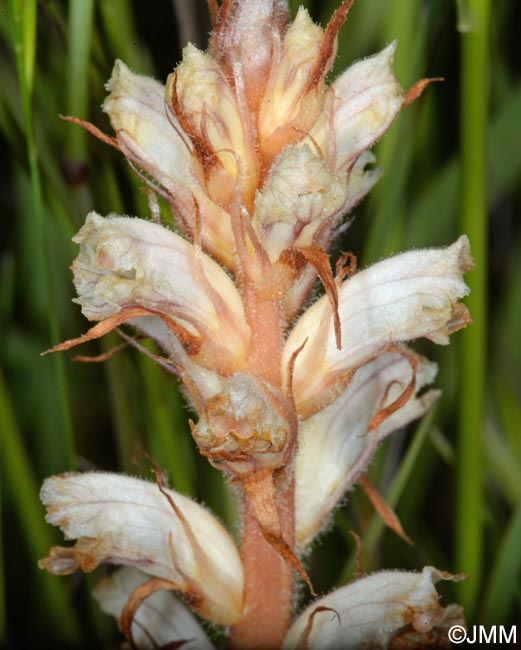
150, 136
122, 520
339, 436
367, 100
146, 135
368, 613
402, 298
161, 617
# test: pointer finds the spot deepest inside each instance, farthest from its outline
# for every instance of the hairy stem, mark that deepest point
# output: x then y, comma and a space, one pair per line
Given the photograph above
268, 593
269, 581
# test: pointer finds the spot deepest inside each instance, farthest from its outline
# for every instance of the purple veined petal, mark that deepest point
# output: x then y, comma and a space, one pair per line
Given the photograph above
117, 519
339, 436
370, 612
162, 617
402, 298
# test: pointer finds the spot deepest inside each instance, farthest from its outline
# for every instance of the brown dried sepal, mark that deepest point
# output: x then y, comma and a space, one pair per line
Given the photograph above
319, 260
346, 267
134, 602
417, 89
389, 517
213, 176
304, 637
191, 343
328, 46
93, 130
385, 413
359, 550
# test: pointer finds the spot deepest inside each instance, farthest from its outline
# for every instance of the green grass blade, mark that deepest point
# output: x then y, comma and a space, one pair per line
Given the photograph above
433, 213
395, 152
118, 22
503, 589
36, 219
80, 30
473, 221
17, 476
502, 466
3, 601
24, 33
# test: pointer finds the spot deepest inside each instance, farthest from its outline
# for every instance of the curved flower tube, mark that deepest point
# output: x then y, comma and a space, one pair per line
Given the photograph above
370, 612
117, 519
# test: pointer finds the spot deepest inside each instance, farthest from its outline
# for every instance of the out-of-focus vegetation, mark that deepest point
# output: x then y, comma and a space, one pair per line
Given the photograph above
452, 164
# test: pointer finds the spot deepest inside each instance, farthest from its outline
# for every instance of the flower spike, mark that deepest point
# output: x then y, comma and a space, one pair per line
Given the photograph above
259, 160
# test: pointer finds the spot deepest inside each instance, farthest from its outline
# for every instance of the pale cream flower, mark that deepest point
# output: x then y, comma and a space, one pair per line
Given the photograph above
341, 437
370, 612
367, 613
128, 264
117, 519
402, 298
221, 134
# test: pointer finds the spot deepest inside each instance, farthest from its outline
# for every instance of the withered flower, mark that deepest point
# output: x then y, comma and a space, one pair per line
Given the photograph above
260, 160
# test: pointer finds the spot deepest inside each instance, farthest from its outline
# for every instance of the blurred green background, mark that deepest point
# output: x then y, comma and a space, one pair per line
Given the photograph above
452, 164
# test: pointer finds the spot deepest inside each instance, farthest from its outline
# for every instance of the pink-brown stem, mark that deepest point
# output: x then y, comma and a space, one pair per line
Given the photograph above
269, 584
269, 581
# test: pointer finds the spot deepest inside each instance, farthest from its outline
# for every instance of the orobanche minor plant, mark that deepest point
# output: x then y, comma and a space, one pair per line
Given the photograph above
260, 160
